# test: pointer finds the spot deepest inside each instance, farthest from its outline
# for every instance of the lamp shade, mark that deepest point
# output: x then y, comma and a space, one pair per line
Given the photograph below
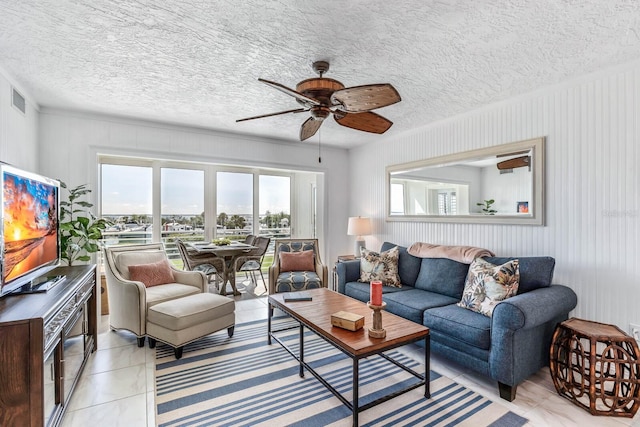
359, 226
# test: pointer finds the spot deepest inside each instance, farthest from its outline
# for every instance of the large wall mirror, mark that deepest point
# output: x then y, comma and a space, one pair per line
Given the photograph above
503, 184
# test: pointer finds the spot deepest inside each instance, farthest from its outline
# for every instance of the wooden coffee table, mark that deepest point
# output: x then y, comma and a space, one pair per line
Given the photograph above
316, 315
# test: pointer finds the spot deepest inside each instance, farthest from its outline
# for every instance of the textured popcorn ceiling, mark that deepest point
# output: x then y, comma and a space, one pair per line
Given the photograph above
197, 62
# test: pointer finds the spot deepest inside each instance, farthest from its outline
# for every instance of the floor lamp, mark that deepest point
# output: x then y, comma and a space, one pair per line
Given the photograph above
359, 226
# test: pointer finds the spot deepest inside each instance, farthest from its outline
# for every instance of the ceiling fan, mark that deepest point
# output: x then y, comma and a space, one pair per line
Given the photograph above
516, 162
351, 107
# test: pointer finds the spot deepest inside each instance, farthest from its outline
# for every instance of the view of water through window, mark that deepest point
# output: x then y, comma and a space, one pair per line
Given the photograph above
126, 199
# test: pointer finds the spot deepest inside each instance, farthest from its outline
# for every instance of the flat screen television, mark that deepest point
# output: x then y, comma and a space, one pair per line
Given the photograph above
29, 232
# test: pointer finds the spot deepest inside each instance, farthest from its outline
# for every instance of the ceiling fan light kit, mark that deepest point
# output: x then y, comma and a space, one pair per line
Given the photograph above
351, 107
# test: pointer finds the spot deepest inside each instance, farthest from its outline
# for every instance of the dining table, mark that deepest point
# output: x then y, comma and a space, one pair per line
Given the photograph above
229, 253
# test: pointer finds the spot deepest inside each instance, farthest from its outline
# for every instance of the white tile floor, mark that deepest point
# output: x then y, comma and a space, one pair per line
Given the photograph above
116, 387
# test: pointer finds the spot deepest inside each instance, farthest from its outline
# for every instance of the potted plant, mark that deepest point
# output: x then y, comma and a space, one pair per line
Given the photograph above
80, 230
487, 208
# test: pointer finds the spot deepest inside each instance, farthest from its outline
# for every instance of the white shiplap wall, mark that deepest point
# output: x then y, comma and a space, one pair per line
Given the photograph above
591, 125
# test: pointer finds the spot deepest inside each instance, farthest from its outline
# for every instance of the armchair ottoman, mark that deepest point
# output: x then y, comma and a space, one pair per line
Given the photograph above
183, 320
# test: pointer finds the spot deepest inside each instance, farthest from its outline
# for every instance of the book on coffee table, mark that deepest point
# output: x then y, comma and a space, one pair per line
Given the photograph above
297, 296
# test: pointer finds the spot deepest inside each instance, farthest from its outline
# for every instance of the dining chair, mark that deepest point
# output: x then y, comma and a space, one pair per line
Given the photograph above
212, 266
252, 261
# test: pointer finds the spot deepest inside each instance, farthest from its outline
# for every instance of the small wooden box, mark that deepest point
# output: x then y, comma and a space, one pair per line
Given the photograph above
346, 320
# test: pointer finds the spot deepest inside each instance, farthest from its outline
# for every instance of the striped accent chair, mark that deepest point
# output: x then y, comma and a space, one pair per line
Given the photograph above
297, 275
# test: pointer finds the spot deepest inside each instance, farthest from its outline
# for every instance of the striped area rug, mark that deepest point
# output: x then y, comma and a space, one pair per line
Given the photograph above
243, 381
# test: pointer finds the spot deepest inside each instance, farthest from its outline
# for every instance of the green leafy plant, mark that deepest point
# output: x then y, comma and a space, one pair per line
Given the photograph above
221, 242
80, 230
487, 208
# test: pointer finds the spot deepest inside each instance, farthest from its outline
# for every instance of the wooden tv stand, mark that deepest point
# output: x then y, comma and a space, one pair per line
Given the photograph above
45, 341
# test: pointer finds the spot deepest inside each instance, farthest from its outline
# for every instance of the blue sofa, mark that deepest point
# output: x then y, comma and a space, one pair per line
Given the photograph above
508, 347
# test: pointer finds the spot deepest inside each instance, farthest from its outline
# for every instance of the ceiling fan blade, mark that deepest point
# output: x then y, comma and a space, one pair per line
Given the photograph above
297, 110
367, 122
518, 162
309, 128
297, 95
365, 98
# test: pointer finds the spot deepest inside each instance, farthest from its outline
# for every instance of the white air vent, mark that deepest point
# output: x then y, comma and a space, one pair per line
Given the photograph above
18, 101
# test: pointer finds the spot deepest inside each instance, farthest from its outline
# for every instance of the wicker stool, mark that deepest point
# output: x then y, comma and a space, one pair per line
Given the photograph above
596, 366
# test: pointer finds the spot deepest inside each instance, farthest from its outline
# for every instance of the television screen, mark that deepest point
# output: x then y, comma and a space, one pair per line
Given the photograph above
30, 237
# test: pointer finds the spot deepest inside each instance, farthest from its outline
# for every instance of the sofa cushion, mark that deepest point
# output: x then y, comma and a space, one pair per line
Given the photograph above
408, 265
443, 276
290, 281
460, 324
535, 272
487, 284
381, 266
412, 303
361, 291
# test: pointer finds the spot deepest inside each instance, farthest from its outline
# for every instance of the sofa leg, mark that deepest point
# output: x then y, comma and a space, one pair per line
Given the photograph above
177, 351
507, 392
152, 342
141, 341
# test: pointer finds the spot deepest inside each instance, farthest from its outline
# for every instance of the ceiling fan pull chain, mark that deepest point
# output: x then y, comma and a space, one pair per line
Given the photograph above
319, 143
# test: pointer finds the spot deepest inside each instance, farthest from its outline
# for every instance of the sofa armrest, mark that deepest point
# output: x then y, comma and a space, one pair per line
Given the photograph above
521, 331
534, 308
347, 271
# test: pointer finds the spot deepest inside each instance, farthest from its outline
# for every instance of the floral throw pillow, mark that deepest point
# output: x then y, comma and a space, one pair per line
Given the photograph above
380, 266
488, 284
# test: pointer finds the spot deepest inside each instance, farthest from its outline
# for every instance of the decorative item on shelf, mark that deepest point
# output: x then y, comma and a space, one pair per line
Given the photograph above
377, 331
349, 321
359, 226
487, 208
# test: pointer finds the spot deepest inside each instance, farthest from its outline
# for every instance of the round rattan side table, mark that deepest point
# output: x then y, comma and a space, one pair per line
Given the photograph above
595, 365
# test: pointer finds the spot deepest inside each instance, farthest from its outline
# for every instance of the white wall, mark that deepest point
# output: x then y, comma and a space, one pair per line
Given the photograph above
514, 187
592, 186
18, 132
71, 141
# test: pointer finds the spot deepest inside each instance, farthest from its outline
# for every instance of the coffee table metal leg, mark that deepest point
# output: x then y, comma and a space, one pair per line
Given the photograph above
356, 397
301, 350
269, 314
427, 366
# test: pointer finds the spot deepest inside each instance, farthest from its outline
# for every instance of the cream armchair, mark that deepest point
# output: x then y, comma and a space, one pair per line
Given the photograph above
129, 300
294, 276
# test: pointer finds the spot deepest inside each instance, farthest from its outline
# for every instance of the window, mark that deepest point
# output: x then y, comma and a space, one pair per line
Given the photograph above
275, 206
151, 200
126, 200
234, 205
447, 203
181, 207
